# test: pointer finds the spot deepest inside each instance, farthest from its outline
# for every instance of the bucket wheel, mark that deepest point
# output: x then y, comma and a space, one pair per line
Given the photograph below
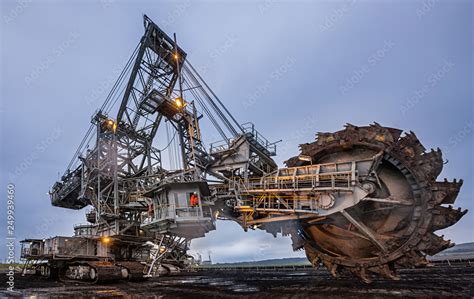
394, 226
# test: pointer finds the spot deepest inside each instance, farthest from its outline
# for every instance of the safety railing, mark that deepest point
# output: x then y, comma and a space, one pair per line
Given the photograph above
220, 146
341, 180
172, 212
260, 140
252, 135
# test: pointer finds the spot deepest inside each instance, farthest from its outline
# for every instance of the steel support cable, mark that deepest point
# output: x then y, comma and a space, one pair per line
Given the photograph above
216, 125
177, 155
120, 78
170, 151
212, 119
209, 100
175, 146
86, 143
116, 95
215, 96
208, 112
169, 143
206, 96
213, 105
76, 154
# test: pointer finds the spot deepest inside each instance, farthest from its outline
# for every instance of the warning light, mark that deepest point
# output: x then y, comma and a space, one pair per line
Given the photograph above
179, 103
111, 125
105, 240
176, 56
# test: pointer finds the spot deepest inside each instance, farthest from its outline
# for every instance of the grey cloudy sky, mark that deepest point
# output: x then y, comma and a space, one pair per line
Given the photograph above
292, 67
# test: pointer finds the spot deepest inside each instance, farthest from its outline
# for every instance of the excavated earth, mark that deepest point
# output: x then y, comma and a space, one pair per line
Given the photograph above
432, 282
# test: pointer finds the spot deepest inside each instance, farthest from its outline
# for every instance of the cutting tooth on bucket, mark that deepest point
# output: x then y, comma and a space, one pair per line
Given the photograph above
444, 217
446, 192
431, 244
430, 164
362, 273
411, 145
412, 259
385, 270
406, 172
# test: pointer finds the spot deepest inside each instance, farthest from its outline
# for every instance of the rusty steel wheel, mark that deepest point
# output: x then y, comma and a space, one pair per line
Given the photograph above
394, 226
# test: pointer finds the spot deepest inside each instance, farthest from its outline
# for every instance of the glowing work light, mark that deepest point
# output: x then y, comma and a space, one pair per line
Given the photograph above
112, 125
179, 103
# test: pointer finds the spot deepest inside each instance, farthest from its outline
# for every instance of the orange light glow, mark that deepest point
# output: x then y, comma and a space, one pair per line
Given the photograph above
179, 102
111, 124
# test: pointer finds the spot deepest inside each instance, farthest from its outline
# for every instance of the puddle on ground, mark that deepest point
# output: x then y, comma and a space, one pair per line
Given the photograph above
298, 274
198, 280
114, 293
181, 281
243, 288
221, 283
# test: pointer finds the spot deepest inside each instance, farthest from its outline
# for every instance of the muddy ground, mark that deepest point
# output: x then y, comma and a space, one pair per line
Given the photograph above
455, 282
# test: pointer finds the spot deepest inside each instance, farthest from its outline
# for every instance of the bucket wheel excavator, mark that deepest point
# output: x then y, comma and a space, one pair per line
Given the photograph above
364, 199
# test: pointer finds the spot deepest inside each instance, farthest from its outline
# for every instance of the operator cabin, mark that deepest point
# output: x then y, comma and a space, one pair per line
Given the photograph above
176, 207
